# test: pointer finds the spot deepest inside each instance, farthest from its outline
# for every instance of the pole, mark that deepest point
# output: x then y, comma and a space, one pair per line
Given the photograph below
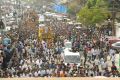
0, 10
119, 61
113, 18
1, 30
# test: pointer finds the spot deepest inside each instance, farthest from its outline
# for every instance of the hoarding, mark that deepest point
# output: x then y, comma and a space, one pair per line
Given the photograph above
60, 9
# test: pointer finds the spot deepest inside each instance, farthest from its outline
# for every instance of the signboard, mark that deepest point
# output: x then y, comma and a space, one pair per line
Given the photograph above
60, 8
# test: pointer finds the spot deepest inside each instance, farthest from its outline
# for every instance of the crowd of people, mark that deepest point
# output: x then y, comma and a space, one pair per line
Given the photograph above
32, 58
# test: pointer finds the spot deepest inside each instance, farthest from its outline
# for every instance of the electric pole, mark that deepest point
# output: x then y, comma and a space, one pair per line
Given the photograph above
113, 18
1, 9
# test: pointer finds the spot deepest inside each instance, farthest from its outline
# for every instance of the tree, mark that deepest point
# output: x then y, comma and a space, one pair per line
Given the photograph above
75, 5
84, 16
95, 11
97, 3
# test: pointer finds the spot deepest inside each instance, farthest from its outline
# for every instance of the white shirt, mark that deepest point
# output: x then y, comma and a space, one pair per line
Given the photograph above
90, 72
102, 61
104, 65
95, 52
89, 53
40, 62
24, 66
44, 44
39, 72
30, 51
23, 50
36, 74
13, 70
48, 51
92, 50
27, 75
23, 75
111, 52
113, 58
98, 51
102, 72
96, 73
42, 72
97, 62
48, 71
37, 62
30, 67
47, 58
35, 40
13, 76
21, 61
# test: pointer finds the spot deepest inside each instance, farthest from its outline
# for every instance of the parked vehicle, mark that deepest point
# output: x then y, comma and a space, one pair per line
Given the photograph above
116, 45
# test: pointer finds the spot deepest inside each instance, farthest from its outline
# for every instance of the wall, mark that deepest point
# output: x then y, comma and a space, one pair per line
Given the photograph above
118, 30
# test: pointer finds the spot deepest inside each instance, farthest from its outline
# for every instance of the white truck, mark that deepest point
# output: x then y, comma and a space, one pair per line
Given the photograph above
69, 56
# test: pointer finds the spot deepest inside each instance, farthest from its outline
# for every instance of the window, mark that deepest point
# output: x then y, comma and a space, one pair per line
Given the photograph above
118, 44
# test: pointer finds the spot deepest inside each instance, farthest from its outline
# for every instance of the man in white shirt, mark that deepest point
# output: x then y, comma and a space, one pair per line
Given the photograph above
42, 73
113, 58
97, 62
101, 62
37, 62
89, 54
90, 73
104, 65
93, 54
44, 44
36, 74
111, 52
24, 66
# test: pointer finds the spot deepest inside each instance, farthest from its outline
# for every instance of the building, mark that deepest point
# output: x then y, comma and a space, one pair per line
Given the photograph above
118, 30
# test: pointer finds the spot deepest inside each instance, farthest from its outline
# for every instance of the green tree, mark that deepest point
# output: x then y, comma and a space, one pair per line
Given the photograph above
75, 5
84, 16
97, 3
95, 11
